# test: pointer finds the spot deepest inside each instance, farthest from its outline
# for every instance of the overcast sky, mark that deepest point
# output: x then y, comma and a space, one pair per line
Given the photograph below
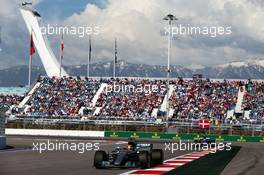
138, 26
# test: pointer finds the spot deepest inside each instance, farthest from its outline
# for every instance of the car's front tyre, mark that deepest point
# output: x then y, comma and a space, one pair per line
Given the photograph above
99, 157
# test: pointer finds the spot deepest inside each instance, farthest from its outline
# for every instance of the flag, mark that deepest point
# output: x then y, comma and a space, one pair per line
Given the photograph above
115, 51
32, 48
90, 49
204, 124
62, 46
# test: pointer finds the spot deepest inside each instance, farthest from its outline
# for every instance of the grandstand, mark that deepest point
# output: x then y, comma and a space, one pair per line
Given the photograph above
254, 100
131, 104
221, 102
10, 96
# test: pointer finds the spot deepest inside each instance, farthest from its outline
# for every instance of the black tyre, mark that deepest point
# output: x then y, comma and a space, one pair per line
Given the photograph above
144, 159
99, 157
196, 141
157, 157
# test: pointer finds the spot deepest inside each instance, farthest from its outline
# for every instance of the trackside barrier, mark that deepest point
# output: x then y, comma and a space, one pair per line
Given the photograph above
2, 142
150, 135
145, 135
51, 132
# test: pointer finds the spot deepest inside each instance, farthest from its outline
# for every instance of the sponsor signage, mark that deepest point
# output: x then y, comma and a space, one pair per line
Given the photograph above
149, 135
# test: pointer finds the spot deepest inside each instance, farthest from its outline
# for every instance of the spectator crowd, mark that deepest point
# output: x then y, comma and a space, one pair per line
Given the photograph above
9, 100
190, 99
134, 102
254, 100
203, 99
62, 96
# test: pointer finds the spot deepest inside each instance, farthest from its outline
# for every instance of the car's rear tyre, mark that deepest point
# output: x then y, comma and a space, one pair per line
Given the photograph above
144, 159
99, 157
157, 157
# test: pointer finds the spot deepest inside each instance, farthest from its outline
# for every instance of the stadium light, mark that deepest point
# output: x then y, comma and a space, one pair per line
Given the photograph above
169, 18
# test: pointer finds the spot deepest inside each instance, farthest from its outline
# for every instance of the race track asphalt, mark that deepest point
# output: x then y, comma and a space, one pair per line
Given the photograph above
248, 161
22, 160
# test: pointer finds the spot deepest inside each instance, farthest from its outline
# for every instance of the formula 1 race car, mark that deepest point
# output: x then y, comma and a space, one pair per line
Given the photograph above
135, 155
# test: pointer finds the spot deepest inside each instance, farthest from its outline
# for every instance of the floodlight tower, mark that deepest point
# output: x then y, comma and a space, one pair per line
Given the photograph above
169, 18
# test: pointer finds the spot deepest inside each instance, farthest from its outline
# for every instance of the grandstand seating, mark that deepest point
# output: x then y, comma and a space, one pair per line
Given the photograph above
132, 99
122, 99
9, 100
62, 96
204, 99
254, 100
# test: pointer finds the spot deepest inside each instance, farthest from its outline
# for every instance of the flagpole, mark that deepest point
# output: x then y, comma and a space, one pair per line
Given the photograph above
114, 70
29, 70
60, 61
89, 57
88, 68
61, 50
115, 59
30, 59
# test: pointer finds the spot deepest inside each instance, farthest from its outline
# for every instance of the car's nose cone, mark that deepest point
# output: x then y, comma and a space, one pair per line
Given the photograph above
120, 158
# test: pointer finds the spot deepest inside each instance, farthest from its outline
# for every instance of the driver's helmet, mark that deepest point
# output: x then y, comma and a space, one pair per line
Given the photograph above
131, 145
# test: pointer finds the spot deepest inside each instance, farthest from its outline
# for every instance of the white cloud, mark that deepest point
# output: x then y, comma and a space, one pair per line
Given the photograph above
137, 25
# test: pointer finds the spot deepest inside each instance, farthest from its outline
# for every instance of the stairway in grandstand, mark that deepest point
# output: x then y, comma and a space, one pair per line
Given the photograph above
97, 95
240, 96
27, 97
95, 98
163, 107
155, 112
